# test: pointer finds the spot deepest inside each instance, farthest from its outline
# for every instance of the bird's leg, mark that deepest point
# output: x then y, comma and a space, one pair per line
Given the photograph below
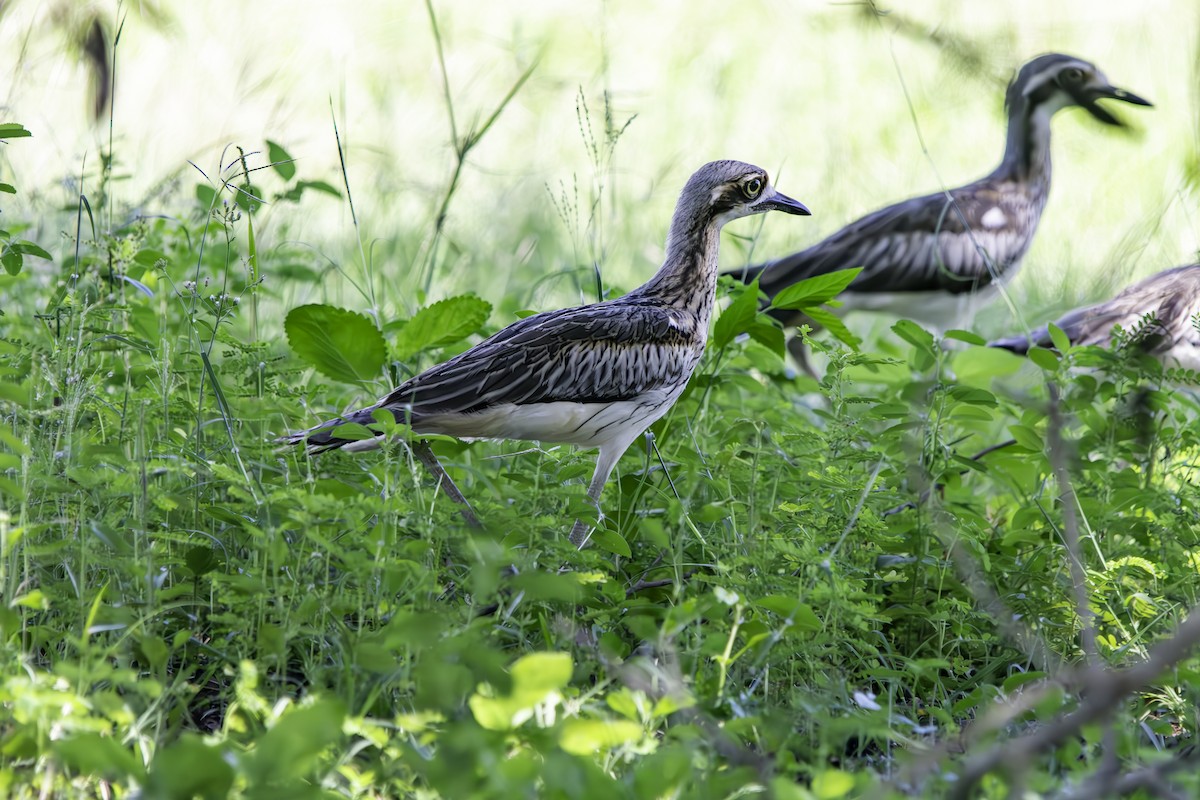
424, 454
606, 459
799, 352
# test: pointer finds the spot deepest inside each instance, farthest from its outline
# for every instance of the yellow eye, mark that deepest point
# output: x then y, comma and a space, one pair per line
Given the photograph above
752, 188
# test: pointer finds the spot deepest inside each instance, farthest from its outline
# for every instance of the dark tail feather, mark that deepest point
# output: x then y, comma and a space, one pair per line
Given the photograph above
321, 438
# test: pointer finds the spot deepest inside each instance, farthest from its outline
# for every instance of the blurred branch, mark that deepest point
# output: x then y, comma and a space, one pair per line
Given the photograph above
462, 145
966, 54
1056, 449
1102, 691
1153, 779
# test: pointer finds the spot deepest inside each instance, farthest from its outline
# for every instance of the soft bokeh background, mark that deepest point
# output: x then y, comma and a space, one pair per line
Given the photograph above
817, 92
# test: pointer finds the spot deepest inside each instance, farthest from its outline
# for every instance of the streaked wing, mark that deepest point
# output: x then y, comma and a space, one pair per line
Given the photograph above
921, 244
1172, 296
592, 354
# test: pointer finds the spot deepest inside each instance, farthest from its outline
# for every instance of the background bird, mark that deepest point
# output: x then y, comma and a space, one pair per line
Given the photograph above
595, 375
1170, 297
932, 258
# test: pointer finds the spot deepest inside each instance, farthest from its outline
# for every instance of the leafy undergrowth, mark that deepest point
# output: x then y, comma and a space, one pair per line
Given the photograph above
814, 590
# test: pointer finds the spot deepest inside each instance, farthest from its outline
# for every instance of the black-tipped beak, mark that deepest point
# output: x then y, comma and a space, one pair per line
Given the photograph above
781, 202
1112, 93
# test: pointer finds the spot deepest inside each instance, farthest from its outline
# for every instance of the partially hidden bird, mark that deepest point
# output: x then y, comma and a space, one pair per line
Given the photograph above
596, 375
935, 258
1160, 314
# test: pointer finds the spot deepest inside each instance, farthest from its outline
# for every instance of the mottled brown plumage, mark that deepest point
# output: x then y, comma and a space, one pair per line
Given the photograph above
1163, 310
596, 375
931, 258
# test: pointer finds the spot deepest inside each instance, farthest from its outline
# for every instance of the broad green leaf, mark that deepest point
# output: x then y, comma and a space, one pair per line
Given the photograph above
1061, 341
206, 195
98, 756
536, 678
445, 322
281, 160
1046, 359
737, 318
189, 768
801, 614
914, 334
831, 784
768, 334
1026, 437
290, 748
340, 344
815, 290
13, 130
583, 737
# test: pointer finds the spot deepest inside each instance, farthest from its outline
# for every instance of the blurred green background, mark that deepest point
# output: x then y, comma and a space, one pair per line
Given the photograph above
819, 93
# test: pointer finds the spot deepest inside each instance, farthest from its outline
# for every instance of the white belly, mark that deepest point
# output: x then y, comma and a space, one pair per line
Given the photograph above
585, 424
938, 310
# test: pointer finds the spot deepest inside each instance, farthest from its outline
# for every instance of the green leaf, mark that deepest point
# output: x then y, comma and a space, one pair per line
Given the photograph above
8, 188
206, 195
736, 319
281, 161
768, 334
1046, 359
815, 290
831, 784
290, 748
536, 678
800, 614
833, 323
340, 344
96, 755
445, 322
12, 261
914, 334
583, 737
1062, 342
1026, 437
187, 769
13, 130
965, 336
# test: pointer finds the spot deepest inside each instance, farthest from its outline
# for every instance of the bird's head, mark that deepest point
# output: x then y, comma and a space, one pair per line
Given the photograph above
1055, 81
726, 190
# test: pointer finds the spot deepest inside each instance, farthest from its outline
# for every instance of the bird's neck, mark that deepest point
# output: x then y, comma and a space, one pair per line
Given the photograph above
1027, 150
688, 277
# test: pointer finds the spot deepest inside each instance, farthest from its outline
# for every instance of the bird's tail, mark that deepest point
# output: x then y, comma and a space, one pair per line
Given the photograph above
332, 434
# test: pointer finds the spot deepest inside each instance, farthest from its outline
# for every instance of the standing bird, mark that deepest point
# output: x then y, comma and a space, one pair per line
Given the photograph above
930, 258
1170, 297
596, 375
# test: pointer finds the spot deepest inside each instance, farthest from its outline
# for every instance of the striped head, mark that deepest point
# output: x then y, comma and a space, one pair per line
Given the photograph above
721, 191
1054, 81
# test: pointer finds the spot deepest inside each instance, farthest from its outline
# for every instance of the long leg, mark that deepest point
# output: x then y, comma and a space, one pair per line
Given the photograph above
424, 454
799, 352
606, 459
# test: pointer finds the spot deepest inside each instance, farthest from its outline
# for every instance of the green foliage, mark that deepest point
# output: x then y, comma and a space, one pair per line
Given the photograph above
340, 344
798, 587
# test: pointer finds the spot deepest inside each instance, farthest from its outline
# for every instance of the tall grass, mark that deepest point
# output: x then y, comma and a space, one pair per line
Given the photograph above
190, 610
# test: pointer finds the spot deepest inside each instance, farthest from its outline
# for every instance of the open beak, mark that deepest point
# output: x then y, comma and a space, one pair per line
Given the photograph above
1113, 93
781, 202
